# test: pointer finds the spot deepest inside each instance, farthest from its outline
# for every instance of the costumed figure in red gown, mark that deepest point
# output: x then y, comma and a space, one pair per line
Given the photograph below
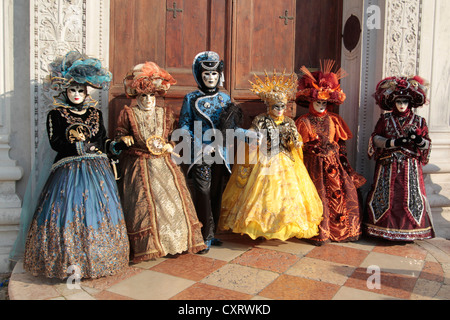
324, 134
397, 204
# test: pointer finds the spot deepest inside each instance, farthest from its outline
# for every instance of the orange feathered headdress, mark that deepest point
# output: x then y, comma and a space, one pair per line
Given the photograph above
147, 78
321, 85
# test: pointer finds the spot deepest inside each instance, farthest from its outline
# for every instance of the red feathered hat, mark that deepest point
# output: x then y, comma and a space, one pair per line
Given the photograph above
391, 88
321, 85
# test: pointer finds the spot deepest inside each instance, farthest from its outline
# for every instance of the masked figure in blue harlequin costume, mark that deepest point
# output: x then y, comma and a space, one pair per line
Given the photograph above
202, 111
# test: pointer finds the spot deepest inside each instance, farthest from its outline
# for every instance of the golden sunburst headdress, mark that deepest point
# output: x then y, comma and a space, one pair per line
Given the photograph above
275, 89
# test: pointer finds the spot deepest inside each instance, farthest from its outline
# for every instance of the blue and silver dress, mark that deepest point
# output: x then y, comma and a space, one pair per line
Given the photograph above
78, 223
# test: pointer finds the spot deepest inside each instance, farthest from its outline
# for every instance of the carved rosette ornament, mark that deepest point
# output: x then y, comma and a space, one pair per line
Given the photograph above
403, 20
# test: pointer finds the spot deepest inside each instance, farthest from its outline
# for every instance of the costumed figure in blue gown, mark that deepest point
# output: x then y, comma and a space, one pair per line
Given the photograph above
78, 223
202, 113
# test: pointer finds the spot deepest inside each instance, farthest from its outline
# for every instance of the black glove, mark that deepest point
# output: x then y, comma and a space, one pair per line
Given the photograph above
400, 142
414, 137
120, 146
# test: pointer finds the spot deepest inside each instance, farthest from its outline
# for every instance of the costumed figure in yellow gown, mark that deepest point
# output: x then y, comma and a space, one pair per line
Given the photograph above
271, 195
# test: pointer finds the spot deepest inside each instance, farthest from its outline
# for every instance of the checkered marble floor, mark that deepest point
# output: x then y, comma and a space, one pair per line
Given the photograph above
243, 269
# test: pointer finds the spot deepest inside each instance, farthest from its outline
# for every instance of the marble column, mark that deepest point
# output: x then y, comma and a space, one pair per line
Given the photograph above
10, 172
434, 66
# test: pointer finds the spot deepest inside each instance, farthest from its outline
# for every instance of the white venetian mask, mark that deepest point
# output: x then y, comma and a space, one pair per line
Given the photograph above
320, 106
210, 79
146, 101
77, 94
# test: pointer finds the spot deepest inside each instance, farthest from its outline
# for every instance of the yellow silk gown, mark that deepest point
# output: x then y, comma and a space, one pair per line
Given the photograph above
272, 196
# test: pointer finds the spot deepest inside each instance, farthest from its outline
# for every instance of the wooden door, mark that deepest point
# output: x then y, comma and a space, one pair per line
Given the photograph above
137, 35
263, 40
169, 33
251, 36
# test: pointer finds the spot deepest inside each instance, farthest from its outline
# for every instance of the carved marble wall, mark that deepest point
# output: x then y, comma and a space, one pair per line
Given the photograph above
10, 172
402, 32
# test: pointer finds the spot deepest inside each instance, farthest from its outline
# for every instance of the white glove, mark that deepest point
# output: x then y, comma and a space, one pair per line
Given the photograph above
208, 149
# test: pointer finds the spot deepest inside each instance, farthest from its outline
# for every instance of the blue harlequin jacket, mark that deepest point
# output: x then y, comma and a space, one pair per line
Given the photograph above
201, 113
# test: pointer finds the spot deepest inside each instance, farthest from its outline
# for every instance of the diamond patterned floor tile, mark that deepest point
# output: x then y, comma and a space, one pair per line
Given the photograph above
321, 270
202, 291
295, 288
339, 254
265, 259
189, 266
391, 284
241, 278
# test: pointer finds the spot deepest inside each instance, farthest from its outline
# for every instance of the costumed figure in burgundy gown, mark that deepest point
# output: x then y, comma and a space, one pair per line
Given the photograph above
397, 205
324, 134
159, 213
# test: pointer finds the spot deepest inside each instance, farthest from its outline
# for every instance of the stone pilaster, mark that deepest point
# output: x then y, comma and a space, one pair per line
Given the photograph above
435, 67
10, 203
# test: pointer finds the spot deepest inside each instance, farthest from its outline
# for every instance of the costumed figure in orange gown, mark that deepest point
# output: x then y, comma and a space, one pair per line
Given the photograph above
324, 134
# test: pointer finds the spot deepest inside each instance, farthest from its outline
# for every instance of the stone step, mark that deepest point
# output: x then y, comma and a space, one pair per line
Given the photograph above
441, 221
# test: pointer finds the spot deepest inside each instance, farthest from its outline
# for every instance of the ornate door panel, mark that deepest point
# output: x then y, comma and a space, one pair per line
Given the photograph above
193, 26
137, 35
169, 33
263, 39
251, 36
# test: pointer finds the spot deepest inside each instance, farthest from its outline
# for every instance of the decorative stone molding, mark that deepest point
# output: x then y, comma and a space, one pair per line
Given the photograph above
402, 34
10, 202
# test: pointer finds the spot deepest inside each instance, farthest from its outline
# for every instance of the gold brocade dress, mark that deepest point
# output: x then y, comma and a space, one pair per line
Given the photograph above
158, 209
272, 194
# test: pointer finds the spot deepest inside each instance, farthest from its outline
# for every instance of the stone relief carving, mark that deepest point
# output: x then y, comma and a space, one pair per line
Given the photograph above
403, 22
59, 26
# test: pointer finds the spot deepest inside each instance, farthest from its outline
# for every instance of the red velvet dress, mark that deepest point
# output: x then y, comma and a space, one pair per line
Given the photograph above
397, 204
324, 136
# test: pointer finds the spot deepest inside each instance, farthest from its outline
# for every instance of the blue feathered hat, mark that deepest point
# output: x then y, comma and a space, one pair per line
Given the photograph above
76, 67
